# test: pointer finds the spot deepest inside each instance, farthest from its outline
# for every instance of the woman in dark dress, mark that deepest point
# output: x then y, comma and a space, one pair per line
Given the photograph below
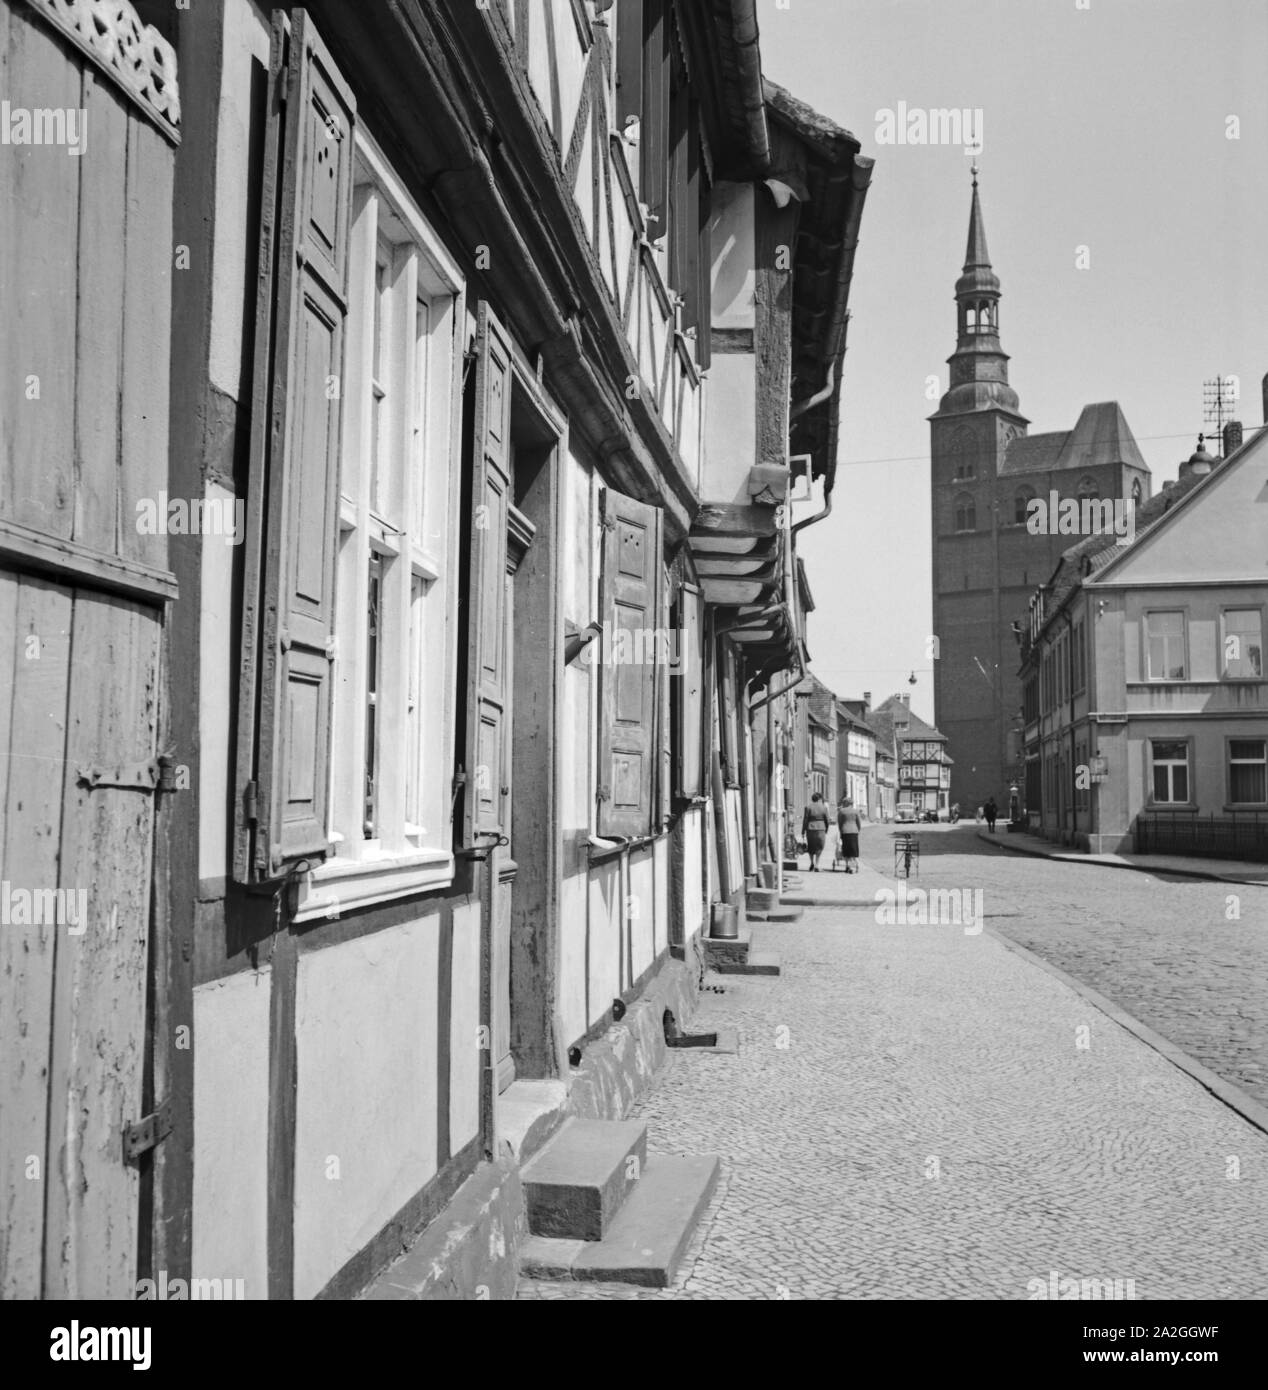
848, 825
814, 826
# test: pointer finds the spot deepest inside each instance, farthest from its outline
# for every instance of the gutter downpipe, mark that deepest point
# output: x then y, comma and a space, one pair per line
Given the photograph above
749, 60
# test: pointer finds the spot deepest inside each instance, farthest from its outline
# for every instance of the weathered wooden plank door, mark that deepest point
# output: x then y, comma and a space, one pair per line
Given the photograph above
83, 594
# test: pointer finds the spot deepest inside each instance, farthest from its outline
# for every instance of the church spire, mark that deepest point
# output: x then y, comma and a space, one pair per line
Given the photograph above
979, 366
976, 254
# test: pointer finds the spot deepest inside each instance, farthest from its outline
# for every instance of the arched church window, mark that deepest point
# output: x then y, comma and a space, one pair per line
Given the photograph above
972, 321
1137, 492
1025, 496
965, 513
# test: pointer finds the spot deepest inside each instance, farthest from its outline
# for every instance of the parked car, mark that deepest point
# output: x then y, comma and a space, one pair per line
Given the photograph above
906, 812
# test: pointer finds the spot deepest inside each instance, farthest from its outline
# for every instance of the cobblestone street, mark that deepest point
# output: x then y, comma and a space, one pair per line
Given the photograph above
1160, 946
919, 1112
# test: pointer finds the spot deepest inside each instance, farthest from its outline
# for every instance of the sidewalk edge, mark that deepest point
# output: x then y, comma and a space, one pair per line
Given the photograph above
1224, 1091
1091, 863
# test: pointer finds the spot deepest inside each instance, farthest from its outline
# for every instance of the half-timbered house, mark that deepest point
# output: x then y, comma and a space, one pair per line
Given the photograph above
479, 347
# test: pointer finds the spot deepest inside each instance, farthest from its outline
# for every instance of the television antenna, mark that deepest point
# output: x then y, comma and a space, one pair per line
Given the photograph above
1219, 405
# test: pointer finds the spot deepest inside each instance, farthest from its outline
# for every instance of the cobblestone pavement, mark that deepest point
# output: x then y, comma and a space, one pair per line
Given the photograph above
917, 1112
1162, 947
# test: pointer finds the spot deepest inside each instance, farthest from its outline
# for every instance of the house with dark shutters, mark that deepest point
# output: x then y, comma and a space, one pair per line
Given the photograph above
403, 801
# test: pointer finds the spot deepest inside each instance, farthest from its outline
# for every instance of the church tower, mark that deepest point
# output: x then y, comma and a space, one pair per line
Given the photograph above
975, 685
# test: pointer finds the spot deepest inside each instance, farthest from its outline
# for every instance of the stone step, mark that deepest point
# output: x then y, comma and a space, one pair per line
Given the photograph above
736, 948
758, 963
576, 1183
648, 1236
758, 899
781, 913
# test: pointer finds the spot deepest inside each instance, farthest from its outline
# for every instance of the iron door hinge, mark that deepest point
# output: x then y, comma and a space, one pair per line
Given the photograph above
147, 1133
155, 775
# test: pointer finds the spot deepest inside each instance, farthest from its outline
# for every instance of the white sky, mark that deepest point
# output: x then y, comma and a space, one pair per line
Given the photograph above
1103, 127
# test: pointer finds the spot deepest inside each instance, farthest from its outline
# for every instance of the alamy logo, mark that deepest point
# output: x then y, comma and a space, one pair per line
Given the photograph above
1081, 516
179, 516
58, 125
44, 907
938, 907
75, 1343
637, 646
164, 1289
1055, 1286
940, 126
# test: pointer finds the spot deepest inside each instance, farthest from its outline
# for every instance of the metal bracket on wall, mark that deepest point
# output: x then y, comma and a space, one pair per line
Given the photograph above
146, 1133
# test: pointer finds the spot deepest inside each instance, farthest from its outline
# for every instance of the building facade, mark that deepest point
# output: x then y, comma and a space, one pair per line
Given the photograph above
428, 568
986, 472
1144, 672
923, 759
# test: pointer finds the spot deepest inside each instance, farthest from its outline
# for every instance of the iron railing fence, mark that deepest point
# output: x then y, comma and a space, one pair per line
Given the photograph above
1237, 835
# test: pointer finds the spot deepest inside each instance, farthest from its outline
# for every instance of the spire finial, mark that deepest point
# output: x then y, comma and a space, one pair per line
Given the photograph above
973, 170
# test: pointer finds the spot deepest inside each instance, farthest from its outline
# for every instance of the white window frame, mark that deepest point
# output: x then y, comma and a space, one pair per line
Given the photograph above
1166, 639
416, 534
1225, 673
1187, 764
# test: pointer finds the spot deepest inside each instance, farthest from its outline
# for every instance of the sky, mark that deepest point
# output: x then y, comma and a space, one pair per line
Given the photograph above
1105, 125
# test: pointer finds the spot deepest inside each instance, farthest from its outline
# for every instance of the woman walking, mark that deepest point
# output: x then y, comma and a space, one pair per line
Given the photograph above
814, 826
848, 826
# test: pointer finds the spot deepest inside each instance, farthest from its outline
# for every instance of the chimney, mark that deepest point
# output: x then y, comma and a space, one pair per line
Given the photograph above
867, 701
1232, 437
906, 699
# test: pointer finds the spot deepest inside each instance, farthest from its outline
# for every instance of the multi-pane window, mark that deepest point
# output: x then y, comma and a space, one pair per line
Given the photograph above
1243, 644
1164, 646
965, 513
394, 667
1248, 771
1170, 766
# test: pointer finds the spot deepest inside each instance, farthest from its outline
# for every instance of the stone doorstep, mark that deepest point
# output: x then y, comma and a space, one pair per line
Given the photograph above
758, 963
780, 913
576, 1183
528, 1113
648, 1236
735, 948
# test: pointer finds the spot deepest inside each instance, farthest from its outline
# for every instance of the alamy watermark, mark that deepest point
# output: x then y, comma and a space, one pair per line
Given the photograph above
637, 646
44, 907
935, 907
1056, 1286
44, 125
1081, 516
918, 125
179, 516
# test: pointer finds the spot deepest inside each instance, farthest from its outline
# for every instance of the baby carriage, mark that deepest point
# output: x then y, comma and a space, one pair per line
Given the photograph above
839, 861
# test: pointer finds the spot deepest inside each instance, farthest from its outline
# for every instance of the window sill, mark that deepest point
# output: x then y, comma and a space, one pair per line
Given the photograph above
340, 886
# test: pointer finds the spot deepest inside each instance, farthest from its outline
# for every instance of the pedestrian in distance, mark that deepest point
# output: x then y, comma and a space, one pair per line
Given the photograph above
814, 826
848, 826
991, 812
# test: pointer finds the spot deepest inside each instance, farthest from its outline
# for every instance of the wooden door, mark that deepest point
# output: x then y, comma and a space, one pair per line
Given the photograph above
84, 588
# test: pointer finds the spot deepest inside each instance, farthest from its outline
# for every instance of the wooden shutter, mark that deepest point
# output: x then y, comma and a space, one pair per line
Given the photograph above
293, 502
654, 128
629, 61
628, 688
689, 692
490, 481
